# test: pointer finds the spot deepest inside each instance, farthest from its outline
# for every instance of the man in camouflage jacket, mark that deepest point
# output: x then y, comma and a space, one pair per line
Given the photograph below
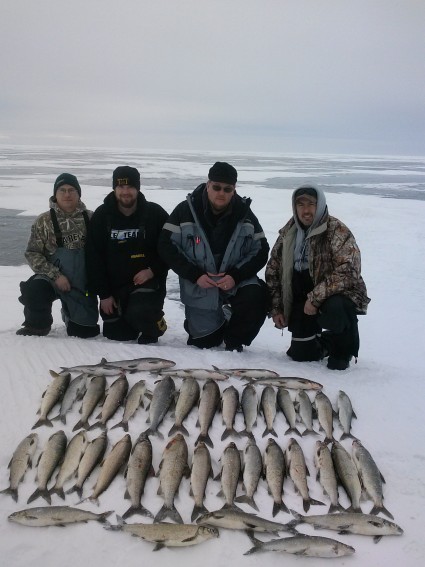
55, 252
314, 277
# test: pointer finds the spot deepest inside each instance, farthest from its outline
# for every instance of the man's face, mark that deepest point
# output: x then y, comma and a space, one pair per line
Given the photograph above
306, 206
126, 196
219, 195
67, 198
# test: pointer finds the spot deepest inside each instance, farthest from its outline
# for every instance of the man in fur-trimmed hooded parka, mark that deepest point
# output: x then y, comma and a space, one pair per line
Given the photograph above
314, 277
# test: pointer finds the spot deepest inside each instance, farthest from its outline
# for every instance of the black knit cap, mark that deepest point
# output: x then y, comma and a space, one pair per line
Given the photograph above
66, 179
126, 175
223, 173
305, 190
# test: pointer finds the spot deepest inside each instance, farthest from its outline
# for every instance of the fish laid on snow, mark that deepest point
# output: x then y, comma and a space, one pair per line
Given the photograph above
305, 411
168, 535
229, 407
197, 373
55, 516
304, 546
171, 471
249, 405
371, 477
326, 475
113, 400
138, 470
274, 471
162, 398
288, 409
53, 395
235, 519
99, 369
72, 458
149, 364
187, 399
268, 406
252, 471
290, 382
347, 474
230, 474
345, 414
94, 394
324, 415
208, 405
92, 457
249, 373
350, 523
133, 401
298, 472
75, 391
19, 463
200, 473
52, 455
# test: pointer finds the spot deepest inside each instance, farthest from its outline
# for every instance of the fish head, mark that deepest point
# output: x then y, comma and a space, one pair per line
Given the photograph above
208, 531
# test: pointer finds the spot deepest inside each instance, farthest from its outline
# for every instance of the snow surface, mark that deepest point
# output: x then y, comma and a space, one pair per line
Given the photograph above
385, 386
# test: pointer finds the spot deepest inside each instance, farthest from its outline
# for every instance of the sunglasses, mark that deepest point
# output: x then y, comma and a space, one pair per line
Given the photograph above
228, 189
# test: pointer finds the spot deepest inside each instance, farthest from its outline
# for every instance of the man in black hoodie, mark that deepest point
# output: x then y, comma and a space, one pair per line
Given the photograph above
123, 266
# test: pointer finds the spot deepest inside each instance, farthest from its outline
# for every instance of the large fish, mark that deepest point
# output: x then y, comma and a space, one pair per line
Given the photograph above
249, 405
200, 473
171, 471
305, 411
235, 519
94, 394
52, 455
286, 404
326, 475
230, 474
197, 373
115, 461
252, 472
290, 382
268, 406
249, 373
208, 405
113, 400
75, 391
19, 463
168, 535
274, 471
133, 401
324, 415
347, 474
229, 407
303, 546
55, 516
298, 472
53, 395
138, 469
149, 364
72, 458
99, 369
187, 399
162, 398
371, 477
345, 414
91, 458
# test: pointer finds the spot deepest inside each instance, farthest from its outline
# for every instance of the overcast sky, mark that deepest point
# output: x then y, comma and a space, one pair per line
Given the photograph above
341, 76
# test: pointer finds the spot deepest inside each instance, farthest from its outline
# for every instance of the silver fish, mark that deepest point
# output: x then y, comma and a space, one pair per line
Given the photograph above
230, 474
304, 546
370, 477
133, 401
345, 414
53, 395
49, 459
19, 463
250, 373
115, 461
94, 394
274, 471
149, 364
288, 409
268, 406
298, 472
75, 391
350, 523
163, 396
187, 399
168, 535
289, 382
252, 471
326, 475
229, 407
138, 470
99, 369
347, 474
197, 373
200, 473
113, 400
91, 458
208, 405
305, 411
235, 519
171, 471
249, 404
55, 516
72, 458
324, 415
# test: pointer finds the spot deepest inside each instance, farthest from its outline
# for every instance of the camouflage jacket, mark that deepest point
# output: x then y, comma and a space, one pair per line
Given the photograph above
334, 265
42, 241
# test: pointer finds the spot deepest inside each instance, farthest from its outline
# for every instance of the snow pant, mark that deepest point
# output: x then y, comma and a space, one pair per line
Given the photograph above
139, 310
340, 339
248, 310
79, 311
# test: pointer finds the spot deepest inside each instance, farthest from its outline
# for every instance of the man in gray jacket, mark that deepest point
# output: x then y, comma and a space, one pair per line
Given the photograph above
215, 244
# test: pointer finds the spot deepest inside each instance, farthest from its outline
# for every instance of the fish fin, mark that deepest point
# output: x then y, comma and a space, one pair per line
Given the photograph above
170, 512
206, 439
41, 422
40, 492
306, 505
77, 489
377, 538
97, 424
12, 491
292, 430
245, 499
336, 508
59, 491
279, 507
220, 493
198, 511
309, 432
376, 509
226, 434
137, 510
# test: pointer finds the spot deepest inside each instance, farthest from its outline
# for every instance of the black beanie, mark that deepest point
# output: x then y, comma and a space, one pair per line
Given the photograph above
126, 175
223, 173
305, 190
66, 179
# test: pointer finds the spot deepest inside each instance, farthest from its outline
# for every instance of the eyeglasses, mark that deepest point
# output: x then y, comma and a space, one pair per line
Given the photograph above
70, 191
217, 188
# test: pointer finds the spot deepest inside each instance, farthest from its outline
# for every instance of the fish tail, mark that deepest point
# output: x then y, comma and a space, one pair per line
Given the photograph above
226, 434
316, 502
309, 432
292, 430
206, 439
137, 510
335, 508
102, 518
178, 428
329, 440
41, 422
376, 509
12, 491
347, 436
279, 507
97, 424
354, 509
168, 512
257, 543
245, 499
59, 491
77, 489
40, 492
81, 425
198, 511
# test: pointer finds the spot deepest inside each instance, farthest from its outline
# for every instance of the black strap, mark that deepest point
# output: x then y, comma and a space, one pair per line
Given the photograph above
57, 230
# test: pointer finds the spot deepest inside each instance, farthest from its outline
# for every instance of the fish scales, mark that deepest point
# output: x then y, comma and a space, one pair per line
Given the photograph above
208, 404
94, 394
55, 516
138, 470
53, 395
92, 457
200, 473
187, 398
132, 403
274, 471
229, 407
347, 474
252, 471
69, 466
298, 472
19, 463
